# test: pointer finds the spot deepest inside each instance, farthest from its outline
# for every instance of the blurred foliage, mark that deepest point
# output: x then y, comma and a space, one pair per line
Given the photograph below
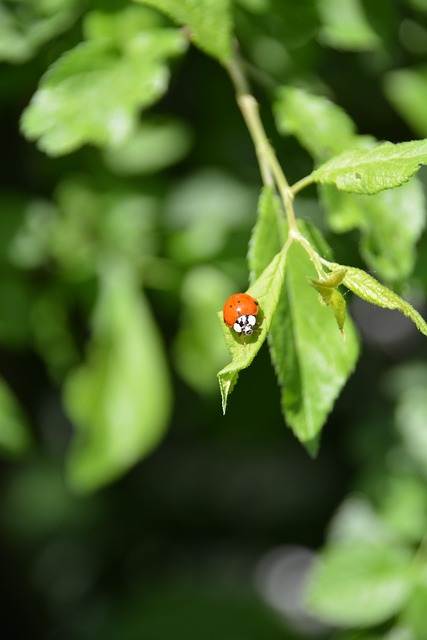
114, 261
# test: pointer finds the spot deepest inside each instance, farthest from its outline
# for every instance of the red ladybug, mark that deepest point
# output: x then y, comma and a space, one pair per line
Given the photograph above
240, 312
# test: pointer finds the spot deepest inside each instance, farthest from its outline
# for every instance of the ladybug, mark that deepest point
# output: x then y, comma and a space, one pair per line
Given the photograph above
240, 312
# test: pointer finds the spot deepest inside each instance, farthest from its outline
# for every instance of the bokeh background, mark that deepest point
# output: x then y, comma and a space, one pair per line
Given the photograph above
209, 535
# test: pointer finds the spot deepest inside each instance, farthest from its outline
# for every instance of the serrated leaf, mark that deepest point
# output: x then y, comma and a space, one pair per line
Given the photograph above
386, 166
119, 399
321, 126
15, 436
266, 290
311, 358
390, 223
269, 233
359, 584
209, 20
266, 259
366, 287
93, 93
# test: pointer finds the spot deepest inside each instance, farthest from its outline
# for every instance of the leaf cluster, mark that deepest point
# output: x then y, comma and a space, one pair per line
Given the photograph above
97, 92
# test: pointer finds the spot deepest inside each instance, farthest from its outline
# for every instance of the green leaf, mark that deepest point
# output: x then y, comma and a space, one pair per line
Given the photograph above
209, 21
369, 171
269, 233
414, 614
266, 289
332, 297
366, 287
407, 91
390, 223
355, 521
321, 126
93, 93
119, 399
404, 507
15, 436
225, 203
25, 27
333, 280
359, 584
346, 25
155, 145
311, 358
267, 263
92, 222
120, 25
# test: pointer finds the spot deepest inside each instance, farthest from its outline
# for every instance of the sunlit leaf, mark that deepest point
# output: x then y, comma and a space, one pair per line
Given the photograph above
94, 93
356, 520
369, 171
266, 290
267, 280
209, 21
269, 233
122, 24
359, 584
321, 126
311, 358
366, 287
119, 399
346, 25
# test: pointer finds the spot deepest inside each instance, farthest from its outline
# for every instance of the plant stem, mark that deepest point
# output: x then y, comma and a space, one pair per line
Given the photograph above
304, 182
271, 171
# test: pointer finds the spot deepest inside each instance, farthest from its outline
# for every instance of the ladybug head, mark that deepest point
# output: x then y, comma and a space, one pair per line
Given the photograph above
245, 325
